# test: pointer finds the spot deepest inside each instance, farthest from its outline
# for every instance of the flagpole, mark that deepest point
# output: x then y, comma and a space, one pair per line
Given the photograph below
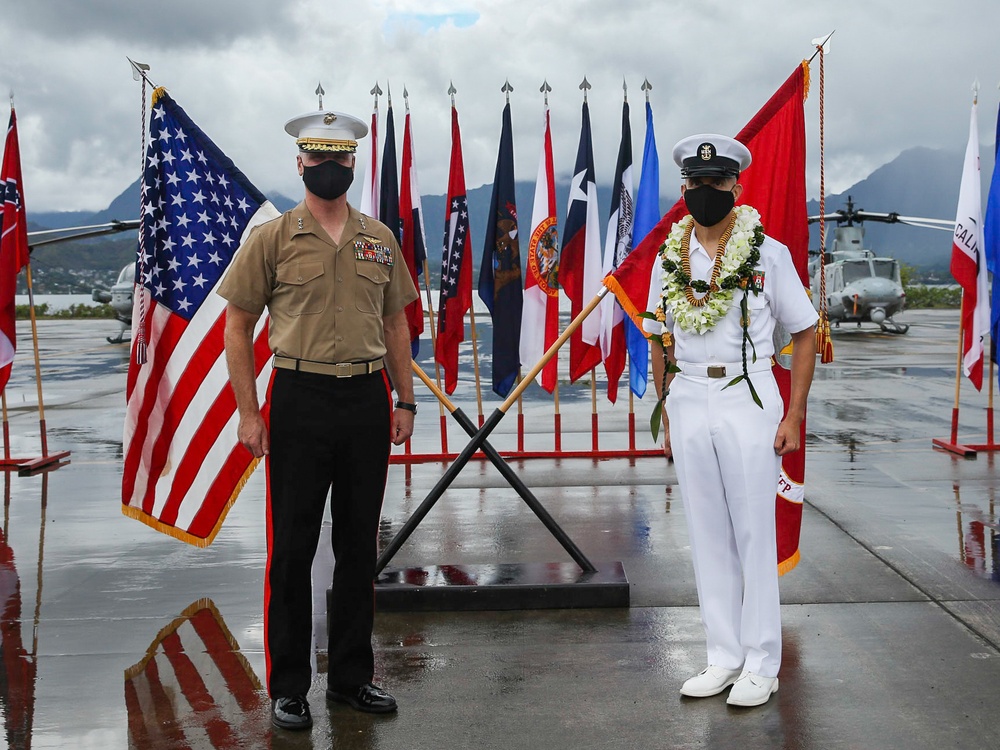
475, 360
824, 340
593, 409
557, 419
437, 366
38, 363
430, 316
958, 385
6, 428
631, 411
520, 418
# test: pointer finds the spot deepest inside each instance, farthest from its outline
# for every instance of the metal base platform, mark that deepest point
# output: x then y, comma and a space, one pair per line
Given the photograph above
501, 587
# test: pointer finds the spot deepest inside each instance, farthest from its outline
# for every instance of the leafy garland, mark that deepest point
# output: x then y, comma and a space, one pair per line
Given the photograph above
735, 261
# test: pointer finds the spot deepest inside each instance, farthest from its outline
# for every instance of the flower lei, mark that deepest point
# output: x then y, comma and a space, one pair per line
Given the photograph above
738, 255
734, 265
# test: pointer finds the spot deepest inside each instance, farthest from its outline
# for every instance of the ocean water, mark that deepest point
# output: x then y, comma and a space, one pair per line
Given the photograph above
57, 301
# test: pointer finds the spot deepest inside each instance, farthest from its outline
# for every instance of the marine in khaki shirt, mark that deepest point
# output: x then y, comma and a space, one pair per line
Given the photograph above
327, 301
336, 287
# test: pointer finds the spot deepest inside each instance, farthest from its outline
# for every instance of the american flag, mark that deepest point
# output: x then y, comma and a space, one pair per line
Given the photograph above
183, 464
456, 266
194, 688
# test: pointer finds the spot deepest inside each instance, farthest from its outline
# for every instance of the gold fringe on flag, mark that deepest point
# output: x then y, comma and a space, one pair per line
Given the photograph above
195, 541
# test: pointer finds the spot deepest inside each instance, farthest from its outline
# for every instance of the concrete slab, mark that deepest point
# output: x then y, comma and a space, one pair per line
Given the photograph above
890, 626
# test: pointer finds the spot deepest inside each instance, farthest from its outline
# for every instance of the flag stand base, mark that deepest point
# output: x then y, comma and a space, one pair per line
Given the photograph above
33, 465
987, 447
510, 586
966, 451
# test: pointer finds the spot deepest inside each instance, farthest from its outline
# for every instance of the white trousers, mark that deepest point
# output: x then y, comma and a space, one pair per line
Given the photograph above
723, 447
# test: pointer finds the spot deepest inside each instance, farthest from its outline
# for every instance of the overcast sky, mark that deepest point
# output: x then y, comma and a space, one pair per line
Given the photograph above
899, 75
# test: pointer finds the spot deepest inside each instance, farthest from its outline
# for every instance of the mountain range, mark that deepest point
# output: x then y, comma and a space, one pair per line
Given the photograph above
918, 182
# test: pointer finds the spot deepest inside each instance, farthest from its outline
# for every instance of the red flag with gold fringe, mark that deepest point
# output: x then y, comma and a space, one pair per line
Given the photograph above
775, 184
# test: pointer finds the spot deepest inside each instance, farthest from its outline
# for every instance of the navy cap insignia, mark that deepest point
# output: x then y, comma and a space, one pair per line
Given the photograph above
706, 151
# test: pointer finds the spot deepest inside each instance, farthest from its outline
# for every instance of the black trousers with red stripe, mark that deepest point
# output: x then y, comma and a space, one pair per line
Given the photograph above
325, 432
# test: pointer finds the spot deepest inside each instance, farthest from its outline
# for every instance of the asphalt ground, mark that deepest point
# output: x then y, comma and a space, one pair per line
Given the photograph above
115, 636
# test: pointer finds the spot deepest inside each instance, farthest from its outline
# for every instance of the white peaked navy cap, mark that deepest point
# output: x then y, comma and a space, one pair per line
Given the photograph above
711, 155
324, 131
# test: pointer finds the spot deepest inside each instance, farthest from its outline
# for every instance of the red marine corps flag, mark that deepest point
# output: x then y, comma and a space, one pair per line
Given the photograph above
456, 265
775, 184
184, 465
13, 246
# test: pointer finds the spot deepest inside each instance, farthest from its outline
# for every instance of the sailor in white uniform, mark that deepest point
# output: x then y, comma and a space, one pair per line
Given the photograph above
726, 439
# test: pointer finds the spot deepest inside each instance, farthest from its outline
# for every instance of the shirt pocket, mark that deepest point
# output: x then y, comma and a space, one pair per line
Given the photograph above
372, 281
304, 285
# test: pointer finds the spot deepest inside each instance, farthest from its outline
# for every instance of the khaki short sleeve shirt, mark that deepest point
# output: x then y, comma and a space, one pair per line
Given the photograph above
327, 301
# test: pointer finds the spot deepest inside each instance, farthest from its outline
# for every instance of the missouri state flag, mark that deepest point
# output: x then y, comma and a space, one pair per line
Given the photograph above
455, 297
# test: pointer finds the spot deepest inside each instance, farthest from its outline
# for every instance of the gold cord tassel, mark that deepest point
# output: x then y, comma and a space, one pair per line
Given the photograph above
824, 342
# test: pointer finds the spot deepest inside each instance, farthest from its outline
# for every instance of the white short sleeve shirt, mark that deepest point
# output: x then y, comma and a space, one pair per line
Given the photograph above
783, 300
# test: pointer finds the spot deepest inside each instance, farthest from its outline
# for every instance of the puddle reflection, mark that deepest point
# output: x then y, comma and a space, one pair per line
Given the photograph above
18, 665
194, 688
978, 540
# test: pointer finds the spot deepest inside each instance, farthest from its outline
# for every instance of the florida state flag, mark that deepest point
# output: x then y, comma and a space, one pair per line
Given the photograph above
775, 184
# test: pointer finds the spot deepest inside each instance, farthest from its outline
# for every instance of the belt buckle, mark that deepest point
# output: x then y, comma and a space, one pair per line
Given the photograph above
715, 371
343, 370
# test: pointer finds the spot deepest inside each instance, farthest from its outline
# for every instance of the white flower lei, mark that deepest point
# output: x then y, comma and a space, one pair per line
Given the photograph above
703, 319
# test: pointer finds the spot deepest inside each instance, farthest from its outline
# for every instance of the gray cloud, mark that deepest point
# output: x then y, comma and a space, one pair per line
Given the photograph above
894, 79
178, 24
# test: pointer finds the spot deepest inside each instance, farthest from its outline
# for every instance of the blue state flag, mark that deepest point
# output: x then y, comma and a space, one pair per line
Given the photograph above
991, 238
500, 271
647, 214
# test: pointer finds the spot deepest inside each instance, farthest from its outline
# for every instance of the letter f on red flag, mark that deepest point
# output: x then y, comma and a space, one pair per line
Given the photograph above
13, 246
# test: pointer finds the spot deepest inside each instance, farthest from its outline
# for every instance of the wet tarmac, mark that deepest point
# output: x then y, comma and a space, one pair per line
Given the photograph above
114, 636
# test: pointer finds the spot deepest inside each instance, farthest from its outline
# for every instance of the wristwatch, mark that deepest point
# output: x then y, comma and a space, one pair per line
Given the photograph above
408, 407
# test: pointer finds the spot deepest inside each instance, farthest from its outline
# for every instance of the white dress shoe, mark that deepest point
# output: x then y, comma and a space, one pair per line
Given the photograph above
752, 690
712, 681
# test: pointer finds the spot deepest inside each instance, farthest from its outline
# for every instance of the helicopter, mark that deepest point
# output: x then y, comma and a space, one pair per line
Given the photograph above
860, 285
120, 295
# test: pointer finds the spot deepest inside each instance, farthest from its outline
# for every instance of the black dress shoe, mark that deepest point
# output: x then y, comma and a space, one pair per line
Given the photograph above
291, 713
368, 698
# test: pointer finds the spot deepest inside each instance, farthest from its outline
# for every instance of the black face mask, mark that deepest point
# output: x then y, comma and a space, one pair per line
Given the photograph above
328, 179
707, 205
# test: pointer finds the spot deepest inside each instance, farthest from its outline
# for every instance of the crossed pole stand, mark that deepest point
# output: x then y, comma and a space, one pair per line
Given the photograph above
504, 586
